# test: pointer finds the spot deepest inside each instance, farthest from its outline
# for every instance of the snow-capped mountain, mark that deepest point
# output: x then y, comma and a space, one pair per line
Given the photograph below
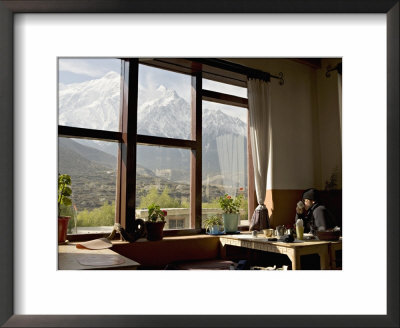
161, 112
93, 104
168, 115
212, 124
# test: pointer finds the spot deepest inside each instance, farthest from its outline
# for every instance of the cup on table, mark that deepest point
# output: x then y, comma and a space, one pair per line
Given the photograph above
268, 232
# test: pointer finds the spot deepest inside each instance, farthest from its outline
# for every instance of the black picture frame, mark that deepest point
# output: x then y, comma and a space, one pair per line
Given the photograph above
7, 11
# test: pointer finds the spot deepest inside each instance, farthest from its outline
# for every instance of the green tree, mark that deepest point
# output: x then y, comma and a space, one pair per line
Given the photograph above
185, 203
212, 204
101, 216
164, 200
244, 207
150, 198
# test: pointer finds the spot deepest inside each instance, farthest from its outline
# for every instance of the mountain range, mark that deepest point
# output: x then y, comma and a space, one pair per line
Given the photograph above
95, 104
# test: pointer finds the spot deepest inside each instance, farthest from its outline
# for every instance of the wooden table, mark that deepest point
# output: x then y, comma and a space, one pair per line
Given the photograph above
333, 247
71, 258
293, 250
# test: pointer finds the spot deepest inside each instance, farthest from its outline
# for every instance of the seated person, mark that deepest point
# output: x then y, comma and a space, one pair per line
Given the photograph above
317, 216
301, 214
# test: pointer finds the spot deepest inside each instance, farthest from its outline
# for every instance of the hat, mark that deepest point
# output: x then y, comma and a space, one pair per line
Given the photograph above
311, 194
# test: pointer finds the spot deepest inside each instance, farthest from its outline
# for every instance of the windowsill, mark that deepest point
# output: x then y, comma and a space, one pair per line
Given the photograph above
168, 238
167, 234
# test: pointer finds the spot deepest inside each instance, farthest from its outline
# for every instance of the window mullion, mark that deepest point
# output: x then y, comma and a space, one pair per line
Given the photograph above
83, 133
225, 99
196, 154
166, 142
127, 152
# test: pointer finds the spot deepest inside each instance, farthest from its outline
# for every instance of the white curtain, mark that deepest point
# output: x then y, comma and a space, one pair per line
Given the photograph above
231, 161
260, 127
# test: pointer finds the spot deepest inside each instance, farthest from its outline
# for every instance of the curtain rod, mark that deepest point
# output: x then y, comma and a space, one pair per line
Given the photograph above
329, 69
240, 69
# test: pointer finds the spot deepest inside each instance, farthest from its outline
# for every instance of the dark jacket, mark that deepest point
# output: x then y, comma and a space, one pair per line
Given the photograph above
320, 218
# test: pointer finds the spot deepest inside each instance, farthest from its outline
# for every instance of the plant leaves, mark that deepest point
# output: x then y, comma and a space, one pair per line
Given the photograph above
66, 201
67, 191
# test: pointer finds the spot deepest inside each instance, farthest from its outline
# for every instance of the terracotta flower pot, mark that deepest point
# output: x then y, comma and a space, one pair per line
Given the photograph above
155, 230
62, 228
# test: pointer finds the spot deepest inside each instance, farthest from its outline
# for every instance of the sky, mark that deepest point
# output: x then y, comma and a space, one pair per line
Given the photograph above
75, 70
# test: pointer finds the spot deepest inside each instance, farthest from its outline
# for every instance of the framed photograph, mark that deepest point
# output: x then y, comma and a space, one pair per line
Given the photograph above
34, 34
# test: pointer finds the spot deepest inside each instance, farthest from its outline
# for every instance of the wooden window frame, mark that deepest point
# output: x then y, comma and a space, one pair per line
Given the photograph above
226, 99
128, 138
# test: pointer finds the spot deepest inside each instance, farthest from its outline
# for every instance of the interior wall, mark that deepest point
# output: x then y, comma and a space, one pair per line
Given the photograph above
329, 123
291, 163
306, 136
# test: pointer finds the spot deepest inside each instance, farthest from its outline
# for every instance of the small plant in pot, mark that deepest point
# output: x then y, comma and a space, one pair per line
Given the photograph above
64, 201
155, 222
212, 224
231, 216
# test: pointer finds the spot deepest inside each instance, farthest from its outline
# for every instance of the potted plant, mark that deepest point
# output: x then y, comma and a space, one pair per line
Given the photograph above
231, 208
64, 200
212, 224
155, 222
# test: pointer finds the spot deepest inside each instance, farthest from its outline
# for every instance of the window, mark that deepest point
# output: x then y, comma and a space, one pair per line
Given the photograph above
89, 93
92, 165
176, 223
89, 99
224, 156
164, 103
163, 174
133, 132
163, 178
